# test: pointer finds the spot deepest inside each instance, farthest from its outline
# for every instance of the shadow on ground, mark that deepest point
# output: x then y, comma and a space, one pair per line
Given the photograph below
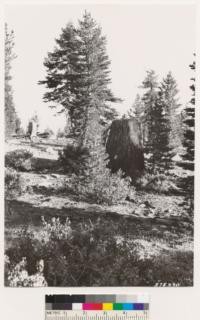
23, 213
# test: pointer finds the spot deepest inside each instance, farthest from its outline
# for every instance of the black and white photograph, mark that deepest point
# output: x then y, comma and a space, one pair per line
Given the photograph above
99, 130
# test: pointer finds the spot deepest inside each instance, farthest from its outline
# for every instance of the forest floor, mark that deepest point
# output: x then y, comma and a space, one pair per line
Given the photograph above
156, 223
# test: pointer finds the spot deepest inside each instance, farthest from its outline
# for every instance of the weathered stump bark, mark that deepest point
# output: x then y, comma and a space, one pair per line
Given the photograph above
124, 147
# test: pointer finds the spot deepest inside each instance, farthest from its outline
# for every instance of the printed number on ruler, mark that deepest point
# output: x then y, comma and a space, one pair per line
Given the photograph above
100, 315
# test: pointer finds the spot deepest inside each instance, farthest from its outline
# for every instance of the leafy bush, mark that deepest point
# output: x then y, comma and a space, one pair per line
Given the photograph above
17, 276
105, 188
72, 158
90, 254
55, 230
14, 184
159, 183
20, 160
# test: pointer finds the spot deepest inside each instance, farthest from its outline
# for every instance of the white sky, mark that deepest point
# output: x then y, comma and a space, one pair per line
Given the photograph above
140, 37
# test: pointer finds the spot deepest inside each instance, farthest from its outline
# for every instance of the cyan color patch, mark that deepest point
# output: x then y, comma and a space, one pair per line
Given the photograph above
128, 306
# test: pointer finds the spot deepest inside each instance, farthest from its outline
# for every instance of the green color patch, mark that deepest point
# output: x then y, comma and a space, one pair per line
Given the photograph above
117, 306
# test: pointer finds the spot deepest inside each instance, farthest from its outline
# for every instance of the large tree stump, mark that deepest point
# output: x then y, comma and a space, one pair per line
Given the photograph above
124, 147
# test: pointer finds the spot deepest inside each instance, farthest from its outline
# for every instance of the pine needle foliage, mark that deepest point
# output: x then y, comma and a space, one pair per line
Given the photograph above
11, 119
157, 118
96, 183
78, 74
169, 93
187, 162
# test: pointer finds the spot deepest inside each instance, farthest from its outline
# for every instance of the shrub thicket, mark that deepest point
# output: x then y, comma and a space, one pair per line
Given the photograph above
20, 160
91, 179
104, 188
92, 255
14, 184
17, 275
159, 183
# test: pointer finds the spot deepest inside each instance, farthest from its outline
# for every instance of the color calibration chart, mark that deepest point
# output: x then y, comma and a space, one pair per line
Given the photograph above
97, 307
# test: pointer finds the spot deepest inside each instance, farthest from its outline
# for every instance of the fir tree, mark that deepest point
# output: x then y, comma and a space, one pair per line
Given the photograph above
168, 92
78, 75
150, 98
188, 141
157, 147
95, 81
63, 74
137, 109
163, 151
87, 100
10, 113
95, 182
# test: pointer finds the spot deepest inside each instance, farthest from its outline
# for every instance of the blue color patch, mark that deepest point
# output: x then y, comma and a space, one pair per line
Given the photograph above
128, 306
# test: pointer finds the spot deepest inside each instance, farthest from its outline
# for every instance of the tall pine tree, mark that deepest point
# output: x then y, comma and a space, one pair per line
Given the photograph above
78, 75
81, 85
163, 151
150, 85
95, 80
168, 92
63, 75
188, 141
11, 118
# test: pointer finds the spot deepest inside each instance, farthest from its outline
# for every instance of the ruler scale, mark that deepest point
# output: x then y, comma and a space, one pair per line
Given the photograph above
97, 307
110, 315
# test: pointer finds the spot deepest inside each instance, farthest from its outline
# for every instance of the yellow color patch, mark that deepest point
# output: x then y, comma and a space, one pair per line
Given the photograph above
107, 306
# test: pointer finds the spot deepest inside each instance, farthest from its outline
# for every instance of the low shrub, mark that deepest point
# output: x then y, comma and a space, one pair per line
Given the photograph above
55, 230
17, 276
72, 158
91, 179
173, 268
159, 183
14, 184
105, 188
91, 255
20, 160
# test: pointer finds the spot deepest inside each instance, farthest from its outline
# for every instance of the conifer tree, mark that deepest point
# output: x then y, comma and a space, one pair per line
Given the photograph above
163, 151
188, 141
78, 74
63, 74
85, 93
150, 98
168, 93
95, 81
137, 109
10, 113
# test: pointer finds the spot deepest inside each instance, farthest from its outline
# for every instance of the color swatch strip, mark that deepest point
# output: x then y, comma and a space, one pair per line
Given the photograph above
97, 306
95, 303
114, 306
